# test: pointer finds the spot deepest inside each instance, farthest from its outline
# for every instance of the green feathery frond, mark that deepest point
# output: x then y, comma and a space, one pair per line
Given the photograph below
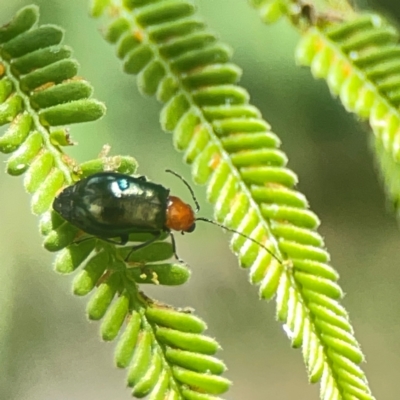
359, 57
164, 350
233, 150
360, 60
39, 92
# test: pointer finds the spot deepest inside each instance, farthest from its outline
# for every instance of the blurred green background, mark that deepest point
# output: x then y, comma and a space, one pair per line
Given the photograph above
47, 348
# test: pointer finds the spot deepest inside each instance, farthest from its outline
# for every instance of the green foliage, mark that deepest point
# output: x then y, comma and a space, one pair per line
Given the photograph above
36, 79
164, 350
233, 150
360, 61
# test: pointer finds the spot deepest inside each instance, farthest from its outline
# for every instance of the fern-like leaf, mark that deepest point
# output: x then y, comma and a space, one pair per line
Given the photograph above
165, 351
360, 61
39, 91
233, 150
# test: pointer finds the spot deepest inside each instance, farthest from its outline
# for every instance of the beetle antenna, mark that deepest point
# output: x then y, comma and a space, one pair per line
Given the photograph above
188, 186
241, 234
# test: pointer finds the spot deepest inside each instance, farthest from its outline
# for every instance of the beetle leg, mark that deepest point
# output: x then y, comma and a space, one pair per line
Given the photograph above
124, 239
79, 241
144, 244
174, 249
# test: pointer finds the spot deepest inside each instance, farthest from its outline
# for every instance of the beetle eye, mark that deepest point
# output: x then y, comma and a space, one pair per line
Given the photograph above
191, 228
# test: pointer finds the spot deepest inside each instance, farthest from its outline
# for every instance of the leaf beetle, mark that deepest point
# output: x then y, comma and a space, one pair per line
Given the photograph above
111, 205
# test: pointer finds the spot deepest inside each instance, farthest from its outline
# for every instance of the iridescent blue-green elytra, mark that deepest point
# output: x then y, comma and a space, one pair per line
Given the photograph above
110, 204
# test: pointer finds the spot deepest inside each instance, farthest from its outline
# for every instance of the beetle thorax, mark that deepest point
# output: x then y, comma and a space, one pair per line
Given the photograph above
180, 216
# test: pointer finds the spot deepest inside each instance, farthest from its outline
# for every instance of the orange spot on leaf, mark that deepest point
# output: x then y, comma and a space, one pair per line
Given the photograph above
215, 161
44, 86
346, 69
138, 35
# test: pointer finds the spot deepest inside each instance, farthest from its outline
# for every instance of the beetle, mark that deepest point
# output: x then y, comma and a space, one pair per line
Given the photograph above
112, 205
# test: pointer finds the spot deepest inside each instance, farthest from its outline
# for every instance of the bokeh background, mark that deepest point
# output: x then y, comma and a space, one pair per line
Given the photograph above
48, 350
